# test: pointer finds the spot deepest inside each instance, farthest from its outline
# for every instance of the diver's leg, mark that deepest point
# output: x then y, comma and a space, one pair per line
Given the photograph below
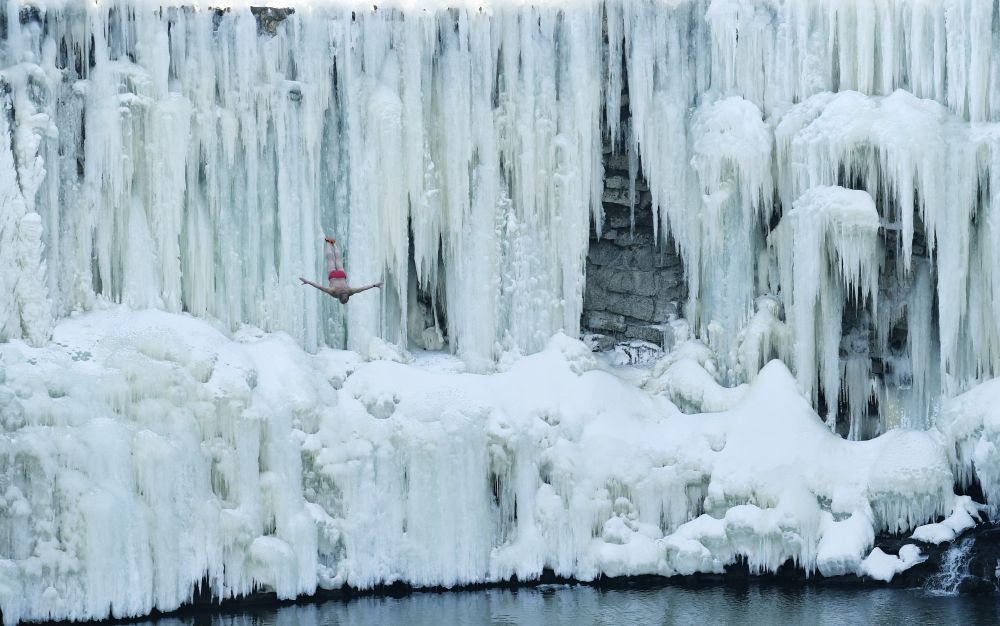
338, 258
331, 258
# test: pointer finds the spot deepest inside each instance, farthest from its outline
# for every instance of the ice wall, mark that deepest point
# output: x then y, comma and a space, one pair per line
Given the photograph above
145, 454
189, 157
201, 154
829, 171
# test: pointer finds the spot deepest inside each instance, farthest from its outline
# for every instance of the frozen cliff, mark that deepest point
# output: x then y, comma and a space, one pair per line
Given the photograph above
828, 172
144, 452
188, 158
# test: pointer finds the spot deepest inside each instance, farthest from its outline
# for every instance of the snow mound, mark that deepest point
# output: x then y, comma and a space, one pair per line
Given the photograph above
143, 452
882, 566
965, 514
971, 426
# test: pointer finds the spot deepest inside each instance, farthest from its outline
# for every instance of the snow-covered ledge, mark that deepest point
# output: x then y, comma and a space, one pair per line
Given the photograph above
145, 451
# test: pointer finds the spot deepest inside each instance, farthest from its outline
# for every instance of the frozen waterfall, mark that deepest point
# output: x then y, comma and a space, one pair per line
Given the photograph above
189, 157
175, 407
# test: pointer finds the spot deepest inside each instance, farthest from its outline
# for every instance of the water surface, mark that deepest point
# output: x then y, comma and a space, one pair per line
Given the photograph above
583, 605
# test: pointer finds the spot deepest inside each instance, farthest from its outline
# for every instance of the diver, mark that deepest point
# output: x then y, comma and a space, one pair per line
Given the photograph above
338, 288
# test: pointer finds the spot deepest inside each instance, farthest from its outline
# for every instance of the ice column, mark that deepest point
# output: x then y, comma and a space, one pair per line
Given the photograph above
25, 309
732, 158
828, 251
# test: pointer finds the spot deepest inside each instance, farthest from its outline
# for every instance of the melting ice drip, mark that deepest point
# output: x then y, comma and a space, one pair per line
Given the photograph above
954, 567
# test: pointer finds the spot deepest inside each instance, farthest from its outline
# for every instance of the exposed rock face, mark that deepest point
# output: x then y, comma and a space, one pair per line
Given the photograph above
269, 18
633, 285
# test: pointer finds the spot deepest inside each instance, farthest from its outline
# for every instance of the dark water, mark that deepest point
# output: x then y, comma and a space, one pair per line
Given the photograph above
582, 605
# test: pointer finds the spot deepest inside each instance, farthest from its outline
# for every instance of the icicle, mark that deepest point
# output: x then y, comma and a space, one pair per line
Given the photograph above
25, 309
633, 175
731, 155
827, 248
858, 389
764, 338
921, 342
667, 65
190, 160
777, 54
613, 88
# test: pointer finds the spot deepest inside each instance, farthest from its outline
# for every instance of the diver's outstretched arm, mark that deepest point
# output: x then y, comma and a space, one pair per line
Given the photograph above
325, 290
355, 290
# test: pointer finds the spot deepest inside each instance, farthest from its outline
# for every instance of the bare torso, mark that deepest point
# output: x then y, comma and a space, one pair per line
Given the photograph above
340, 290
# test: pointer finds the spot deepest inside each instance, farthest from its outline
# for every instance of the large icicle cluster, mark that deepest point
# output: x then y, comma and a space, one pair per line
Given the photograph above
189, 158
827, 252
147, 452
24, 306
732, 158
204, 152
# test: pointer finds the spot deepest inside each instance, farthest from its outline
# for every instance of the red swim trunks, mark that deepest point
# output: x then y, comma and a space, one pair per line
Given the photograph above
337, 274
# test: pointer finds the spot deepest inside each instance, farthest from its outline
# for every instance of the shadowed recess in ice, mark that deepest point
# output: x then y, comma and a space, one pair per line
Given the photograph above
828, 171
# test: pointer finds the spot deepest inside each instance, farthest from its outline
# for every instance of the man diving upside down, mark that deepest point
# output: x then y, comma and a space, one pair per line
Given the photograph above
338, 288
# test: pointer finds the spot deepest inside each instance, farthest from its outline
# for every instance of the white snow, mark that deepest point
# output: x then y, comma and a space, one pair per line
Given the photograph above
843, 543
964, 515
971, 426
143, 451
688, 377
882, 566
